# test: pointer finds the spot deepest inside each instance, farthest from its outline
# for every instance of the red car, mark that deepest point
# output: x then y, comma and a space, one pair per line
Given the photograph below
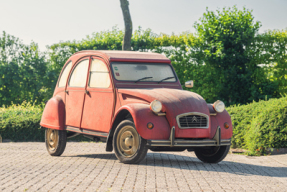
135, 102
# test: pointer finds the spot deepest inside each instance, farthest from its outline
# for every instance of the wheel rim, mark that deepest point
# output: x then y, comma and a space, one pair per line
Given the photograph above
52, 139
128, 141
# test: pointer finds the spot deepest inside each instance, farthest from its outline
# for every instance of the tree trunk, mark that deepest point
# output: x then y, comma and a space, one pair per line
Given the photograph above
128, 25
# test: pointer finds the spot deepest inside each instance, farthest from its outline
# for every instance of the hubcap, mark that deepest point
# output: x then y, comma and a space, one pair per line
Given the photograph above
52, 139
127, 141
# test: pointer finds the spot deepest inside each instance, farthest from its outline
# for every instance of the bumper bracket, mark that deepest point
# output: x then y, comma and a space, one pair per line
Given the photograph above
172, 142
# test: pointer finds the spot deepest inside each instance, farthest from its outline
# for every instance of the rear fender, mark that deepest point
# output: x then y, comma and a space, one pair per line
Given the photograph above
54, 114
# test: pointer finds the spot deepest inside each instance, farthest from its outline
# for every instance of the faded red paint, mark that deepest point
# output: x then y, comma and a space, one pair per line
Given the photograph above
175, 102
98, 108
221, 118
142, 115
54, 114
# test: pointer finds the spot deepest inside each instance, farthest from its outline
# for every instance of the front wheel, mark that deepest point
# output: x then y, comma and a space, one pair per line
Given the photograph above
129, 146
212, 154
55, 141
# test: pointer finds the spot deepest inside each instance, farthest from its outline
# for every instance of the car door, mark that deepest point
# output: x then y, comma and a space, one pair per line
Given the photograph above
75, 93
99, 101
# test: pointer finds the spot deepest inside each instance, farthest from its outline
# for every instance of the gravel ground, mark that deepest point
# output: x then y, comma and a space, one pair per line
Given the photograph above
87, 167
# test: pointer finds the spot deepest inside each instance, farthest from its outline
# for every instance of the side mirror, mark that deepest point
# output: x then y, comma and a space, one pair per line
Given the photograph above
189, 84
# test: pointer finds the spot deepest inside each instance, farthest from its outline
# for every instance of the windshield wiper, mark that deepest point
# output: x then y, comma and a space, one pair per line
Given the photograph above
142, 79
165, 79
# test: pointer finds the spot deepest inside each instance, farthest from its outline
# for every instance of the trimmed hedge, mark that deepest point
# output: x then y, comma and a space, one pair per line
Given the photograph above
21, 122
260, 125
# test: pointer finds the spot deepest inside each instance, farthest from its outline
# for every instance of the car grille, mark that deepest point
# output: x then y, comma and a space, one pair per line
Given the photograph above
192, 120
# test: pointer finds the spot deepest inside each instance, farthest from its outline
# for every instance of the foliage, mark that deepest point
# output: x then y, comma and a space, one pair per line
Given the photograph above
21, 122
227, 36
142, 40
227, 59
22, 72
260, 125
188, 64
223, 58
104, 40
270, 49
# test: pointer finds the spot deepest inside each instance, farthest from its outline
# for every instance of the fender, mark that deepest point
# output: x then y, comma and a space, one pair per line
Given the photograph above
218, 120
54, 114
142, 115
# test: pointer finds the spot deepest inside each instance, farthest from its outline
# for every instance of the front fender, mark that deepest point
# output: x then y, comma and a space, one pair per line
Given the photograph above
142, 115
218, 119
54, 114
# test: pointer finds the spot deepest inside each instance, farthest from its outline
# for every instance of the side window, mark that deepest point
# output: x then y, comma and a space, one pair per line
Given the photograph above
79, 74
64, 76
99, 75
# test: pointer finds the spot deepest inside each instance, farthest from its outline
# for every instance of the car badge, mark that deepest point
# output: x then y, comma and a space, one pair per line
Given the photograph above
194, 119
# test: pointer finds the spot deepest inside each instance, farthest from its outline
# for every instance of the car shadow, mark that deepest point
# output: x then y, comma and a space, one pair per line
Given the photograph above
175, 161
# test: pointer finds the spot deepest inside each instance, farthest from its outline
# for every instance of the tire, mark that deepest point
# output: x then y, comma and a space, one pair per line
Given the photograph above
129, 146
55, 141
212, 154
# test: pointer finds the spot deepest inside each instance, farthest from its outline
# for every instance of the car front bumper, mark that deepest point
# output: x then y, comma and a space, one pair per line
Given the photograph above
172, 142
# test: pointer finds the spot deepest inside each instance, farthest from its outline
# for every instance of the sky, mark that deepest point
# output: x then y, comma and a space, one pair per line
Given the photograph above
47, 22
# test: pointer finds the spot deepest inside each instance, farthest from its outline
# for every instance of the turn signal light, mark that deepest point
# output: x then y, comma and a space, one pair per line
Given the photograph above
226, 125
150, 125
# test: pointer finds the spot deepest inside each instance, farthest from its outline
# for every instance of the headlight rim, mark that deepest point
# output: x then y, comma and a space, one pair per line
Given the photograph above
153, 103
216, 103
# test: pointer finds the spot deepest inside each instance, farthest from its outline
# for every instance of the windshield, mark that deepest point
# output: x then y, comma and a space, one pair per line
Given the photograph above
143, 72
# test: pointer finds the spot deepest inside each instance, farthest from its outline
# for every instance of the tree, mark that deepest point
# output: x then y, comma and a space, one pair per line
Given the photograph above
227, 36
128, 25
23, 72
270, 49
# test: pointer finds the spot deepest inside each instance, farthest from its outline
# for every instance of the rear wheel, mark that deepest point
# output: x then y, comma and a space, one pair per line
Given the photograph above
212, 154
129, 146
55, 141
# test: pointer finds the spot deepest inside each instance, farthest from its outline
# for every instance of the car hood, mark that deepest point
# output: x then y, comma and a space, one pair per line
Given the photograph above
174, 101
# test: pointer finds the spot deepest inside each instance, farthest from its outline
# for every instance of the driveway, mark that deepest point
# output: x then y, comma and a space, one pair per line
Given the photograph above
87, 167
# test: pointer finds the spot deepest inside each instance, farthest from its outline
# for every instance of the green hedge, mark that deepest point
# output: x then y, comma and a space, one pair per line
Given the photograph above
260, 125
21, 123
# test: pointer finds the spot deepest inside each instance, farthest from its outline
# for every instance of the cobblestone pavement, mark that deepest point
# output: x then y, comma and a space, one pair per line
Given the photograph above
87, 167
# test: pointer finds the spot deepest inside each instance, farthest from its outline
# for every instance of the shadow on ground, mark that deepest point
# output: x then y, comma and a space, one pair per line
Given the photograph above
176, 161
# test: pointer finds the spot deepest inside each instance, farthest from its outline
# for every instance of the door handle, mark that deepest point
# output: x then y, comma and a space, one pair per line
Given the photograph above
66, 91
87, 92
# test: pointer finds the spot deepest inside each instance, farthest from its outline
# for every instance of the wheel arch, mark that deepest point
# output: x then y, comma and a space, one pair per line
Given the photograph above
119, 117
141, 115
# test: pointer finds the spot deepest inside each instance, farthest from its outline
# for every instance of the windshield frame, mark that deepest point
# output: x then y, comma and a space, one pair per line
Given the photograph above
144, 63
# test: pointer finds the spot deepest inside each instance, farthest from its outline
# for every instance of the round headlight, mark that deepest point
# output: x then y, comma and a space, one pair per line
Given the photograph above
218, 106
156, 106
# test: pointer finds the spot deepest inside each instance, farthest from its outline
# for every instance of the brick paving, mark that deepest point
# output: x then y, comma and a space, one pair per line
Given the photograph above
87, 167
